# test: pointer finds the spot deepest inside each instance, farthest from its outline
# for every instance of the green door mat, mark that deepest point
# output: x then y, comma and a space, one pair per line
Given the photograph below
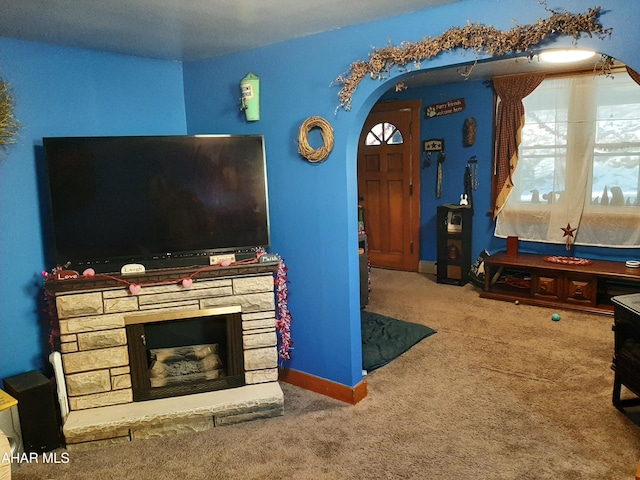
385, 338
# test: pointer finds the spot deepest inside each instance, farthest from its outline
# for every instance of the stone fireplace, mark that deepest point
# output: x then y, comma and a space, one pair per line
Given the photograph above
110, 395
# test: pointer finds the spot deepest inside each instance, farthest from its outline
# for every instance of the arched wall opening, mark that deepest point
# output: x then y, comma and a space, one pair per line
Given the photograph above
372, 91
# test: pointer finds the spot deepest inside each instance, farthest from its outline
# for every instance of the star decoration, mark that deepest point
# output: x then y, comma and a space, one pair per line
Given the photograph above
568, 232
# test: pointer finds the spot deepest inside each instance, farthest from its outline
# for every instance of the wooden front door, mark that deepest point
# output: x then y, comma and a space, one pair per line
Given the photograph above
389, 184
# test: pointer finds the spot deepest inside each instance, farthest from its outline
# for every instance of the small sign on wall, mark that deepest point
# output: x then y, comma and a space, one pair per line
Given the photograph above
444, 108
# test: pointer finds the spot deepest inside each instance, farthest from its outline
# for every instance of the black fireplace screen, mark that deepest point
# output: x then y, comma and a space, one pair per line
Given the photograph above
198, 353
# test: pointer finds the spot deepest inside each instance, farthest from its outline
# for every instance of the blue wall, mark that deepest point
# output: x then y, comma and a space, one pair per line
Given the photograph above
478, 97
62, 91
313, 206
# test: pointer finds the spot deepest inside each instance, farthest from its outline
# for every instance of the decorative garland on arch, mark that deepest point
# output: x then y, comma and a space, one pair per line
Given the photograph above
473, 36
320, 154
9, 126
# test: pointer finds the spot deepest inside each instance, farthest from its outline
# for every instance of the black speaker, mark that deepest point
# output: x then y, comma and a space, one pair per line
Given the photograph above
38, 410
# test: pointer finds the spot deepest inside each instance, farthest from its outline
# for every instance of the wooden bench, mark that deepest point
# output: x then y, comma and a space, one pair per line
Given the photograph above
529, 278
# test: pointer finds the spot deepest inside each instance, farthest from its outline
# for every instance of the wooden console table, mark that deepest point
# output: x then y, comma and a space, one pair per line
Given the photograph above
530, 279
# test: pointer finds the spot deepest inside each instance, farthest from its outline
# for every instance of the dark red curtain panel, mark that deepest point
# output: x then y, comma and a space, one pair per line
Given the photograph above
509, 123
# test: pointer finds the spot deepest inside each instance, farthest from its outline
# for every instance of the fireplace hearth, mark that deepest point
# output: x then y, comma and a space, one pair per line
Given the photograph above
124, 354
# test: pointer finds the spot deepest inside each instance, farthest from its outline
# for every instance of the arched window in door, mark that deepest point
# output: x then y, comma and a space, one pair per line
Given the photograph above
384, 133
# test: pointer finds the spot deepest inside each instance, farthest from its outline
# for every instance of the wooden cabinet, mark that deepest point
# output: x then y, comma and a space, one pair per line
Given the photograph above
454, 226
530, 279
546, 287
581, 290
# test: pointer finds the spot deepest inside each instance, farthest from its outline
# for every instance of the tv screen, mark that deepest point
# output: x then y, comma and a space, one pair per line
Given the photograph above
162, 201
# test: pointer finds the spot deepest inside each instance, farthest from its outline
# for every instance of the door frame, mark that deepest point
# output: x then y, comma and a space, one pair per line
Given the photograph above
411, 261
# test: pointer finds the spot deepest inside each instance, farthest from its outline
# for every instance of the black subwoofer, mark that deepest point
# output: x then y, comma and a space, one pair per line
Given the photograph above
38, 410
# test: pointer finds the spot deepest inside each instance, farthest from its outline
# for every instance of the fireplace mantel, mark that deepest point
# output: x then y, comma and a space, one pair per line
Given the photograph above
168, 275
92, 313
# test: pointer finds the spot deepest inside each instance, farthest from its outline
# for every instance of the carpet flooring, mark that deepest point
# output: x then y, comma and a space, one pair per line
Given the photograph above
501, 392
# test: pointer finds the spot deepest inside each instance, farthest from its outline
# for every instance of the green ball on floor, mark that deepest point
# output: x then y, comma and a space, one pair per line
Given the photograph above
555, 317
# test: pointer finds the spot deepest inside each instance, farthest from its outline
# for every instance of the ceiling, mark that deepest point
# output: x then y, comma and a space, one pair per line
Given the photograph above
187, 29
184, 30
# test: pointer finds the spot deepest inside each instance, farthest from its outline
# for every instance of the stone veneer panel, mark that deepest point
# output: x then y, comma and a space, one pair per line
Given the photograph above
79, 304
90, 324
254, 302
261, 376
88, 382
113, 397
258, 340
68, 347
119, 382
120, 304
95, 359
260, 358
252, 284
199, 424
120, 371
102, 339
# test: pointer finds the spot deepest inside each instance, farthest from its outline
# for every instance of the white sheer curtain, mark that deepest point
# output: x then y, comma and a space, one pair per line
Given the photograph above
579, 164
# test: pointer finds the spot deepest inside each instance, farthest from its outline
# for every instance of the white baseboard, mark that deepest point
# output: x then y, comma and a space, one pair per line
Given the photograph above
425, 266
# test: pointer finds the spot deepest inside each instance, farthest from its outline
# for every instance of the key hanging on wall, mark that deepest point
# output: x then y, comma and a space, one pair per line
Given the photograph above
435, 145
426, 162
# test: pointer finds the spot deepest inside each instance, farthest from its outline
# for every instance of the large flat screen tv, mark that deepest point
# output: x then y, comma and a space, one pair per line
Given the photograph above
162, 201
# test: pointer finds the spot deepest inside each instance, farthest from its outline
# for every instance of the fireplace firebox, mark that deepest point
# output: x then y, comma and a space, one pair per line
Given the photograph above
185, 352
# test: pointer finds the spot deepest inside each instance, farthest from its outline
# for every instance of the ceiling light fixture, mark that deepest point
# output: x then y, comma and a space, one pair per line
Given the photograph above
566, 55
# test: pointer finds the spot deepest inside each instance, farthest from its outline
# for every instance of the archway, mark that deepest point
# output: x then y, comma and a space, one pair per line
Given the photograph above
492, 66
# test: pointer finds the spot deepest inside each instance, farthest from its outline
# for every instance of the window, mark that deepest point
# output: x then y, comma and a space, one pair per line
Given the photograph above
382, 133
579, 163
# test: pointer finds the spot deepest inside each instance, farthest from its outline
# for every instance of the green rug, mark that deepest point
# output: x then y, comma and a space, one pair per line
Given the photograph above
385, 338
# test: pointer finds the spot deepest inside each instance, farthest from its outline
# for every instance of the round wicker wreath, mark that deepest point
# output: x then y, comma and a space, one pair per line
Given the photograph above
320, 154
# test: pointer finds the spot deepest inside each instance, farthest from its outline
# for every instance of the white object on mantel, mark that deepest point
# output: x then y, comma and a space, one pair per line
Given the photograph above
132, 268
56, 361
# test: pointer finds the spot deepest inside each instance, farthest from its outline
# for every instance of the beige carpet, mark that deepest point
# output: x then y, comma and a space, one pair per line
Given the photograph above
500, 392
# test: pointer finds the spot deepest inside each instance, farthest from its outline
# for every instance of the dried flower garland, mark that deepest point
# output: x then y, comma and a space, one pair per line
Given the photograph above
9, 126
473, 36
320, 154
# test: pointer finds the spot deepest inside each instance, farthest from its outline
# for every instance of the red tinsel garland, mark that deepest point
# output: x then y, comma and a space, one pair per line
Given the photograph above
283, 316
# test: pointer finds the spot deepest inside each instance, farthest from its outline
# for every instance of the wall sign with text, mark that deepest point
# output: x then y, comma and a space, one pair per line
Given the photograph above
444, 108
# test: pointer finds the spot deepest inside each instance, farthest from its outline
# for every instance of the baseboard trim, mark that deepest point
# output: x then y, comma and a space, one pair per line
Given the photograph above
344, 393
425, 266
